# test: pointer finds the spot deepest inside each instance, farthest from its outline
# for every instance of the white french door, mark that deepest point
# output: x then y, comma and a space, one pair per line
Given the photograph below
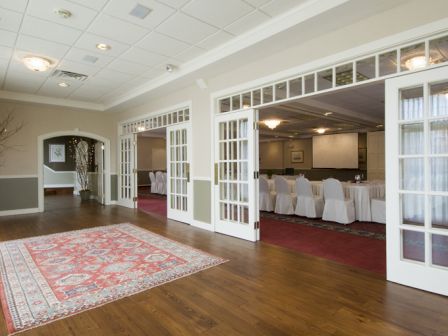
127, 179
179, 190
236, 175
417, 180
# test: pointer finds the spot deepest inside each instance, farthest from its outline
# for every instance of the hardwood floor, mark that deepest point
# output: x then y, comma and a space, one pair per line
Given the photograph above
262, 290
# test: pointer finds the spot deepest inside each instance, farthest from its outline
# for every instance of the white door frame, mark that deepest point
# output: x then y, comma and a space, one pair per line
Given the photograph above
40, 161
181, 216
130, 201
422, 275
237, 228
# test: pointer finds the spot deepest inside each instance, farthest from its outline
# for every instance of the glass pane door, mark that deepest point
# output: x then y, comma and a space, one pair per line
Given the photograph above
235, 183
178, 173
127, 180
417, 180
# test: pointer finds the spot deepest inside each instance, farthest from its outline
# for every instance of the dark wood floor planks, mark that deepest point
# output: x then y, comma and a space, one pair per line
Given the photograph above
262, 290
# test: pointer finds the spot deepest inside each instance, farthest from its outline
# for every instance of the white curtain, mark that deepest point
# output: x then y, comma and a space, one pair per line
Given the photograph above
412, 169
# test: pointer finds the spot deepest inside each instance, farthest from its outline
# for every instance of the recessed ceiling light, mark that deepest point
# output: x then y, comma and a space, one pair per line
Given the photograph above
36, 63
291, 136
103, 46
140, 11
379, 126
63, 13
272, 123
63, 84
328, 113
321, 130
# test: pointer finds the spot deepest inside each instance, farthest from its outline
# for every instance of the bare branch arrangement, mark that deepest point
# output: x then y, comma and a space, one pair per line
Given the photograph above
83, 154
7, 130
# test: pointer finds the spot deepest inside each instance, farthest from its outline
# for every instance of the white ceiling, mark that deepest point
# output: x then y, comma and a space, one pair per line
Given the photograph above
175, 32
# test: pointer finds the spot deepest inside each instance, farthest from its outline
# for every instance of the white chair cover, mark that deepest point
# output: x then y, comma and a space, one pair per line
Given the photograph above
378, 208
159, 182
164, 176
308, 205
152, 178
267, 197
285, 201
337, 208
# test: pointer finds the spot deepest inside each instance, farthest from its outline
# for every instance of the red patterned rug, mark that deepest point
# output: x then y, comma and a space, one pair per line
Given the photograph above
50, 277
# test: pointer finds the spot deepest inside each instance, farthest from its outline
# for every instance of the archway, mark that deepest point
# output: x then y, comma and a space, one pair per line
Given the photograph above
40, 154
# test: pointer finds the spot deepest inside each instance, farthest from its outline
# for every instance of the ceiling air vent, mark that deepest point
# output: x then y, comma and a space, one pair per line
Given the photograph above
69, 75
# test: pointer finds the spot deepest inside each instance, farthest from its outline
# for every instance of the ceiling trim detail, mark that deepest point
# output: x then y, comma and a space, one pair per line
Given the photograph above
278, 24
31, 98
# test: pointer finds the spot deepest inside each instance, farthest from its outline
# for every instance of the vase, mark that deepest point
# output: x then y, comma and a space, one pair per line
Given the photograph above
85, 195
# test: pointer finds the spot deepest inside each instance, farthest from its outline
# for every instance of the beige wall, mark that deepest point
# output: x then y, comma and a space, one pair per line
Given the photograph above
42, 119
277, 154
271, 155
151, 153
300, 52
305, 145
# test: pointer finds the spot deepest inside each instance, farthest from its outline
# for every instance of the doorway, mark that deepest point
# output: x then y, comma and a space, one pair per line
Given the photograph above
175, 183
57, 168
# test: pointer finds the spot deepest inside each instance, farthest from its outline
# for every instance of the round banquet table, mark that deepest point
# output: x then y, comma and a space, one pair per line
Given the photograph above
360, 193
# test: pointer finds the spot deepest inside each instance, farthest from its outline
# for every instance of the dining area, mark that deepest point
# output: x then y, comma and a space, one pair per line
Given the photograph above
333, 200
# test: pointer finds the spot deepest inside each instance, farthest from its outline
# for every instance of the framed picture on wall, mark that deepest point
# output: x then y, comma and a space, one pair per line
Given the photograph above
297, 157
57, 153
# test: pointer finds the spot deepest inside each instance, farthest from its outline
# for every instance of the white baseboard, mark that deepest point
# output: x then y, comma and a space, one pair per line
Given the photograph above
19, 212
202, 225
59, 185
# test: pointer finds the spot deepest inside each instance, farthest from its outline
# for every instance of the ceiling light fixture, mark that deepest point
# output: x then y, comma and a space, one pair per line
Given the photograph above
103, 46
63, 13
272, 123
63, 84
379, 126
328, 113
36, 63
416, 62
321, 130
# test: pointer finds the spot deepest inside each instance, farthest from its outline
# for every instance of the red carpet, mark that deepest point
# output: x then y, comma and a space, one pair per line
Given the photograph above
49, 277
345, 248
362, 252
153, 205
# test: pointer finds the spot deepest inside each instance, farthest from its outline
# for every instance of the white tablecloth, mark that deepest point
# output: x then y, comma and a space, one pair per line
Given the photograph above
361, 193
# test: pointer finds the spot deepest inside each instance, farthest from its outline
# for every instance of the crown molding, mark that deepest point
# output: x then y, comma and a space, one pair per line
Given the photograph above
32, 98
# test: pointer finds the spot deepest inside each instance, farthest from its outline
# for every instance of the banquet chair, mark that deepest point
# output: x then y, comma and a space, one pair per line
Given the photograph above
337, 208
285, 201
164, 176
152, 178
378, 208
267, 197
159, 182
308, 205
